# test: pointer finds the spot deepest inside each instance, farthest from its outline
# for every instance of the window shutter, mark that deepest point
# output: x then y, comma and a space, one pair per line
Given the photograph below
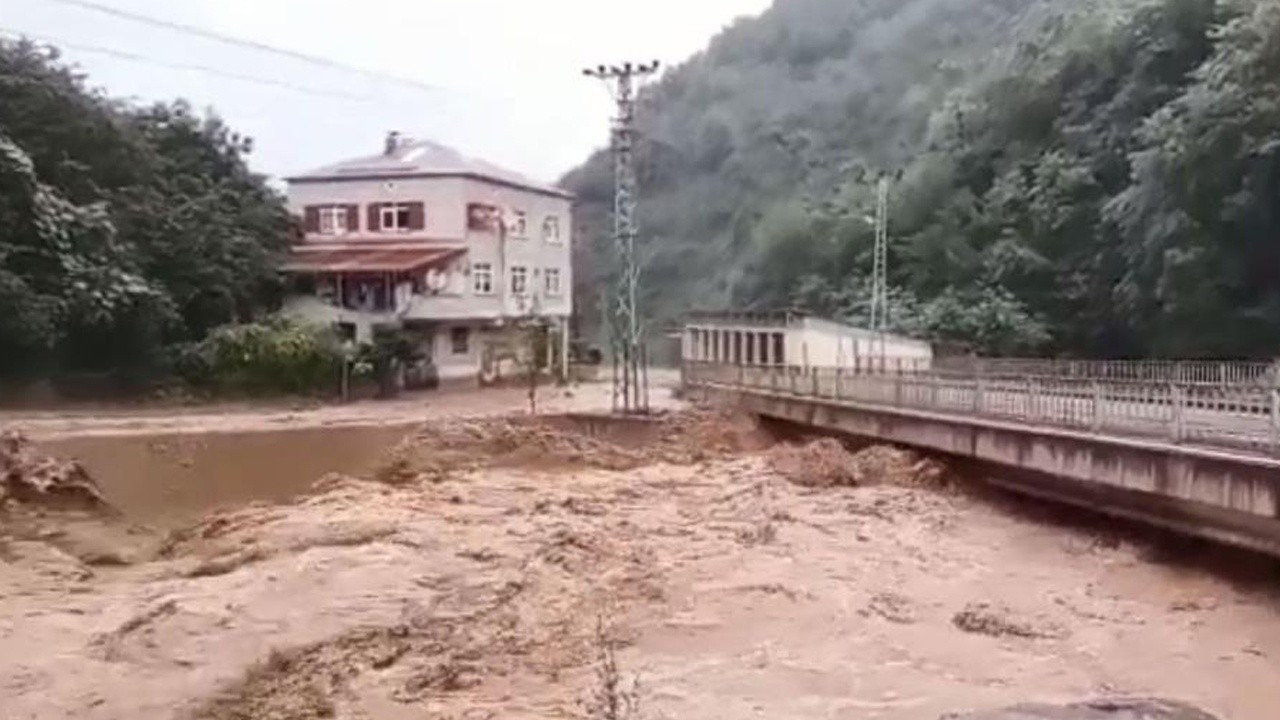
375, 217
311, 219
353, 218
417, 216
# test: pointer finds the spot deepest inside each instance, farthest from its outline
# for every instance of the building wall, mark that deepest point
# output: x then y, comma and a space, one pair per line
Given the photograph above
314, 310
446, 200
443, 198
809, 342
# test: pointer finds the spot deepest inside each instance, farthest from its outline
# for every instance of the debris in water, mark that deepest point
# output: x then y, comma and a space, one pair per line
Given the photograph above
441, 448
27, 478
1121, 709
997, 621
826, 463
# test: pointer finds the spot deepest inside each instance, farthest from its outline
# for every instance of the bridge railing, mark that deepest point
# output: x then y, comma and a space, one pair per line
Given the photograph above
1242, 415
1187, 372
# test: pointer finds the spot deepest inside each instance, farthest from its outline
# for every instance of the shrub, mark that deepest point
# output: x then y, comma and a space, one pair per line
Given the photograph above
278, 355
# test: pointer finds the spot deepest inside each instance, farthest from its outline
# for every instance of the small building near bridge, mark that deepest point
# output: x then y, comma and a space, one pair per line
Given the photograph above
797, 339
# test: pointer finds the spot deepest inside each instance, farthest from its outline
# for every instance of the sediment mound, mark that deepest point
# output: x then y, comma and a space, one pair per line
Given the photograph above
1125, 709
442, 447
826, 463
30, 479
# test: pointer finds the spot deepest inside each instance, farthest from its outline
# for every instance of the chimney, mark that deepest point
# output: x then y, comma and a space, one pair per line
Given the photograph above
392, 144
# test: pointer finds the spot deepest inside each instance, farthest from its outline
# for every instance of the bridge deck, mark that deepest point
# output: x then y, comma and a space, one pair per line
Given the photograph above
1236, 416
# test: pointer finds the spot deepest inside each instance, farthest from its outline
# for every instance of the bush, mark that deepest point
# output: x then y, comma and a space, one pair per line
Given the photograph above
278, 356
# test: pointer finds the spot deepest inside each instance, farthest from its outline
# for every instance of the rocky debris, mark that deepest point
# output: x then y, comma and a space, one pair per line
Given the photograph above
999, 621
825, 463
30, 479
1123, 709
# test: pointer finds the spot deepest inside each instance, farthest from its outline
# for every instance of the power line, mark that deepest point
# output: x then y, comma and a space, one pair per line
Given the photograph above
250, 44
148, 60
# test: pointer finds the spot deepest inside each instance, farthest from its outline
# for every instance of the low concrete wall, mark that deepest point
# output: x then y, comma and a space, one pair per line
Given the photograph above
1228, 497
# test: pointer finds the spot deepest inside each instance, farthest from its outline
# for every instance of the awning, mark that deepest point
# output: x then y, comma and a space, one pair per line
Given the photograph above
347, 259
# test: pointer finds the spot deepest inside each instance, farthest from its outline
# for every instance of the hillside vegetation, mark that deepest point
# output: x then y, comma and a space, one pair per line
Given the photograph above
1081, 178
127, 232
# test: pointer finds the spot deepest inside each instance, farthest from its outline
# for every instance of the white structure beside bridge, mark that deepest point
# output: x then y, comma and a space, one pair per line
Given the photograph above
797, 339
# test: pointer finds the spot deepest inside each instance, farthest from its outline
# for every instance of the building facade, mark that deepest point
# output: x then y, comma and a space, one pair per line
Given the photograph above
463, 256
796, 339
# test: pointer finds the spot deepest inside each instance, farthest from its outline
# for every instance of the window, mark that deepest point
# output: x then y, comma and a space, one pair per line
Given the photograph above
551, 229
460, 340
520, 226
395, 217
333, 220
519, 280
482, 278
552, 281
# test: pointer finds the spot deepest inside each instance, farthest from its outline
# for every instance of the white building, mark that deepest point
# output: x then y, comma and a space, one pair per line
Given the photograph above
455, 251
796, 339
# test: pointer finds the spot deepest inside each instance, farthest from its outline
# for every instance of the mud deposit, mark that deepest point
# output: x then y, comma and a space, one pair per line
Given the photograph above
467, 575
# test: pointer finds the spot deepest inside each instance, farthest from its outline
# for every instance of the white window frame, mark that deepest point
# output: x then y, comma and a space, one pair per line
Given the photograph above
551, 229
329, 220
519, 280
519, 224
547, 276
393, 210
482, 273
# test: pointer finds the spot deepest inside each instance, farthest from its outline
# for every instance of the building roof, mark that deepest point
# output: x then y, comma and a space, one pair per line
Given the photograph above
423, 158
355, 259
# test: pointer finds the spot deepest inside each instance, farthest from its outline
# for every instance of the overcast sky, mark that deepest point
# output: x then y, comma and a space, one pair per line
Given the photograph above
508, 72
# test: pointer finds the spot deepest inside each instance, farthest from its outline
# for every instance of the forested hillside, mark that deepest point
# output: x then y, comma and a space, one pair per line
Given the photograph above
1086, 178
126, 232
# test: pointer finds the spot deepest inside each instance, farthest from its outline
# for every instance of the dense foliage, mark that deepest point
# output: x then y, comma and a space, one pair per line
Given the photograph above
276, 355
1090, 178
126, 232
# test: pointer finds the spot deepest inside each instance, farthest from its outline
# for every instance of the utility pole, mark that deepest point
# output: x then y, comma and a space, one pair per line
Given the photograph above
880, 265
626, 334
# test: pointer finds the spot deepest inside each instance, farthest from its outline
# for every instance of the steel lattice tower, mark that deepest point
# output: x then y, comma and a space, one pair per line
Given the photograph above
630, 394
880, 262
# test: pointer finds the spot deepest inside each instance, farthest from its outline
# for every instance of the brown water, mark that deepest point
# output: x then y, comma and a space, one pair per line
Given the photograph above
169, 479
731, 592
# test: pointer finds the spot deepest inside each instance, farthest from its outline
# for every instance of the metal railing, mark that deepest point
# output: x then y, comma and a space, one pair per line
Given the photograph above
1242, 415
1199, 372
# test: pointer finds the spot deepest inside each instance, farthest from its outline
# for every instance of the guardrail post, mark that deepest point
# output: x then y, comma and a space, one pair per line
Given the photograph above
839, 383
816, 391
977, 394
1096, 422
897, 389
1275, 421
1178, 430
1033, 393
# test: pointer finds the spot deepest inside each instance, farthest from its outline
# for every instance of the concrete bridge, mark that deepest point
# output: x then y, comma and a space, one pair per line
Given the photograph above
1193, 447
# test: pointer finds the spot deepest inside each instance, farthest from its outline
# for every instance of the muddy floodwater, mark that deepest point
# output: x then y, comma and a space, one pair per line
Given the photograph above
477, 569
171, 478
